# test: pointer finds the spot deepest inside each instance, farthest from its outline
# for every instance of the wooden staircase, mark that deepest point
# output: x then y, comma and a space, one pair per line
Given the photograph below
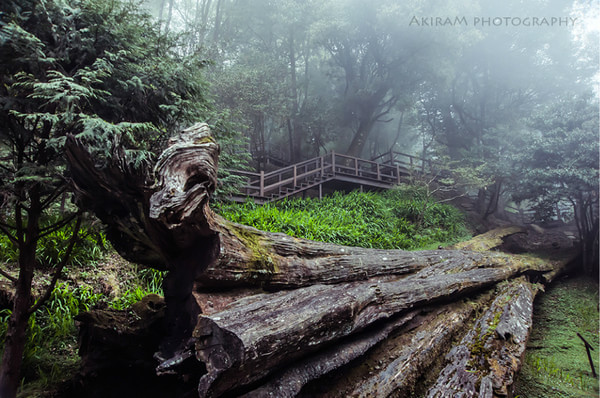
313, 175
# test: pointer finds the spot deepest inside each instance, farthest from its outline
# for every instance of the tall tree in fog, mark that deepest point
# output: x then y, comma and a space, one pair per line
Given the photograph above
482, 108
378, 61
262, 72
558, 164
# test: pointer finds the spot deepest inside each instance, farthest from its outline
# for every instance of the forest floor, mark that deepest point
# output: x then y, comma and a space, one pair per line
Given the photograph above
556, 363
51, 357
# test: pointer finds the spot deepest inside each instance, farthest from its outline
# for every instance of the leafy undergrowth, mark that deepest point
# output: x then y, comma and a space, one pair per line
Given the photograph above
397, 219
51, 351
556, 363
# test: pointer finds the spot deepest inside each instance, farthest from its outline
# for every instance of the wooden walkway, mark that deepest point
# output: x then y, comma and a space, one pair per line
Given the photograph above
314, 174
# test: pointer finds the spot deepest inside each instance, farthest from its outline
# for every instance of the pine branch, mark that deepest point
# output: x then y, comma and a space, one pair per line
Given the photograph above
56, 226
5, 230
57, 192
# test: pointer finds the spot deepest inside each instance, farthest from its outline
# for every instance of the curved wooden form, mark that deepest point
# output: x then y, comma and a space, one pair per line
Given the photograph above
250, 312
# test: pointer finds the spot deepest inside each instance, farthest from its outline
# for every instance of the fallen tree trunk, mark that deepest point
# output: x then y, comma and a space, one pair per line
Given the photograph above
259, 334
400, 363
488, 357
322, 295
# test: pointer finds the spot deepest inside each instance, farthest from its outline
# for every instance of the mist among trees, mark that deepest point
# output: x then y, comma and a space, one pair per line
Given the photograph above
306, 77
507, 90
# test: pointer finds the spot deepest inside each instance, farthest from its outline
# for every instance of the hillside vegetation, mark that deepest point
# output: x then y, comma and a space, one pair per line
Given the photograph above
402, 218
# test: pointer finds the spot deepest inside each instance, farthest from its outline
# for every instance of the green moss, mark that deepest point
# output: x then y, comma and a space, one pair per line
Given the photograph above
477, 347
262, 261
556, 362
204, 140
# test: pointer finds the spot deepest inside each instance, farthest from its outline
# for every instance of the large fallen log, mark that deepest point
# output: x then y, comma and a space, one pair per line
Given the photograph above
256, 335
399, 363
488, 357
292, 301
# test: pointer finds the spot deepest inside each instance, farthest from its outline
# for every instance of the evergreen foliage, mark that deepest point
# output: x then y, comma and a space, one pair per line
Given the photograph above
98, 70
91, 247
558, 166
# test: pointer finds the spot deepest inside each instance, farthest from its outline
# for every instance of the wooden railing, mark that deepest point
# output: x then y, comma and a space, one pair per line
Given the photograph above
383, 171
313, 172
408, 162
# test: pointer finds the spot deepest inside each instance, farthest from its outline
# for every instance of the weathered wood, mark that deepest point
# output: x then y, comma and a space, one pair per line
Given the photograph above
258, 334
490, 239
486, 360
399, 364
289, 383
405, 364
157, 219
275, 261
324, 297
118, 195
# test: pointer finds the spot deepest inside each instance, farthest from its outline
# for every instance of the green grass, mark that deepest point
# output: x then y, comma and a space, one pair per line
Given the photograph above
92, 245
51, 350
396, 219
556, 363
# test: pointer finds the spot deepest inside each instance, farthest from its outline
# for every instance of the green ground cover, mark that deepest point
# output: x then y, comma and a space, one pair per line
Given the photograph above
556, 364
397, 219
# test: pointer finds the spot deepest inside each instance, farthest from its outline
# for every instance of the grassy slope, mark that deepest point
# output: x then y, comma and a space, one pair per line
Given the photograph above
396, 219
556, 363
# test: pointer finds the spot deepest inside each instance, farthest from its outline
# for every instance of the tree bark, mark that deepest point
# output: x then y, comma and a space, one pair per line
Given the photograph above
249, 310
400, 362
257, 335
16, 335
489, 356
16, 332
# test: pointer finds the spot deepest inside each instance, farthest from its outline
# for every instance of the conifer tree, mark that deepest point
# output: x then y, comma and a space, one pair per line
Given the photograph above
98, 70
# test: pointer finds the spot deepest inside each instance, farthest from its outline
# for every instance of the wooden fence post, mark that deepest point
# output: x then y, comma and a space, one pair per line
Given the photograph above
333, 162
261, 189
295, 175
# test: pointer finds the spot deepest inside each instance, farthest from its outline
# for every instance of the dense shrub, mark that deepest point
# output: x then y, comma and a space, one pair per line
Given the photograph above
50, 351
396, 219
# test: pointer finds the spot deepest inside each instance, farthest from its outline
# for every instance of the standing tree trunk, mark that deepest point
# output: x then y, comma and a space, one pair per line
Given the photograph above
370, 109
16, 334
